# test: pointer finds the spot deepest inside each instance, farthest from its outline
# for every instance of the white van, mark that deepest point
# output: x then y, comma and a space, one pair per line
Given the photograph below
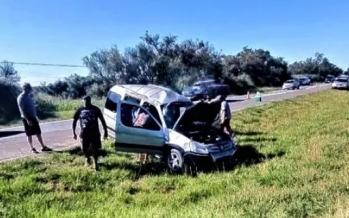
175, 128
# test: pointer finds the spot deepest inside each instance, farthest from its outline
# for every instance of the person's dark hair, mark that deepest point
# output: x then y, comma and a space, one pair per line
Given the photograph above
87, 98
26, 86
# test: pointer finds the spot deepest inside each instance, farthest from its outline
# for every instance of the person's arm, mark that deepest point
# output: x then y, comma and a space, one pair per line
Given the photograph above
75, 120
22, 106
104, 124
223, 113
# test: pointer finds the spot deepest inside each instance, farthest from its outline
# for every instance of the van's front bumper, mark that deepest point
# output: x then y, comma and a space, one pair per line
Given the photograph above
210, 158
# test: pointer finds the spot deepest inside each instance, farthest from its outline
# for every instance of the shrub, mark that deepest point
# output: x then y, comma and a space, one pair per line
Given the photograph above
8, 102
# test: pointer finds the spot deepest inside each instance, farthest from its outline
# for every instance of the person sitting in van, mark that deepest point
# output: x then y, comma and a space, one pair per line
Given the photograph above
142, 119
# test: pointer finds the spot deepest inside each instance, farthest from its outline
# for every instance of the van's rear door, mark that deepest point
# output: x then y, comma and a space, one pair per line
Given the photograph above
110, 111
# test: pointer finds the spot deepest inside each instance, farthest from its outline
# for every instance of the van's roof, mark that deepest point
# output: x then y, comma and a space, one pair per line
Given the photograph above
158, 94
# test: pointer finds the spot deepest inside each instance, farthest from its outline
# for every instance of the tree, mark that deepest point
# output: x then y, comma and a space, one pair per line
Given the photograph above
318, 66
9, 90
106, 67
8, 73
257, 64
155, 60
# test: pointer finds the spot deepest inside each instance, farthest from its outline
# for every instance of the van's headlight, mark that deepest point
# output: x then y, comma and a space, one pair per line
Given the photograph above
196, 148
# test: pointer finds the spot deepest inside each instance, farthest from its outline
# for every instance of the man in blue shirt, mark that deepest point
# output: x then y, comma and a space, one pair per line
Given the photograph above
30, 121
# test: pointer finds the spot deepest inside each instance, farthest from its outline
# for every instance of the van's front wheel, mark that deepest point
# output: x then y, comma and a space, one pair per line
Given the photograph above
176, 164
175, 161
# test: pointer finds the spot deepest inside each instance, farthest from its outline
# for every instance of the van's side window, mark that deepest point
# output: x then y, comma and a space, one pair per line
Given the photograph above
132, 99
110, 103
153, 111
141, 119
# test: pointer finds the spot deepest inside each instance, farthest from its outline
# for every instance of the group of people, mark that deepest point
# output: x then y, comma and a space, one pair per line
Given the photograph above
88, 116
224, 115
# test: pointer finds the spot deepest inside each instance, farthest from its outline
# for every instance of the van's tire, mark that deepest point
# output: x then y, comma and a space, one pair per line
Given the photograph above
175, 161
176, 164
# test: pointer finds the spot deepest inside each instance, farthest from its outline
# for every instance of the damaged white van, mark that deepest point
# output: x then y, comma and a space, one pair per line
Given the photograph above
156, 120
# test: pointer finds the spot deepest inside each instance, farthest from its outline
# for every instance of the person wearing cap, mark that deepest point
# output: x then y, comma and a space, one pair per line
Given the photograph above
29, 118
90, 136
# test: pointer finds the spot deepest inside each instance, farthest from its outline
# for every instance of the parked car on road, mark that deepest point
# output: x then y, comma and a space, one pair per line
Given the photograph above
330, 79
341, 82
176, 128
304, 81
206, 88
291, 84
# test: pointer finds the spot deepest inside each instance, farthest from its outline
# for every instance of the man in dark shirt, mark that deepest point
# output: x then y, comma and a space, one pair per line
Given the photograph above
90, 136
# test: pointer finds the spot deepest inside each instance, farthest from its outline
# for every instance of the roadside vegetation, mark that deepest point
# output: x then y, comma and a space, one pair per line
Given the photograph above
51, 108
293, 162
164, 61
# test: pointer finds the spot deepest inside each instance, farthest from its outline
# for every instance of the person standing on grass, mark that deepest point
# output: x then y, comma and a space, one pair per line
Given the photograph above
90, 136
30, 121
225, 115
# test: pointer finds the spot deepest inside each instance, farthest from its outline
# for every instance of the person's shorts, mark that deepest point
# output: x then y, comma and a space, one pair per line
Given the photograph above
31, 130
93, 143
226, 124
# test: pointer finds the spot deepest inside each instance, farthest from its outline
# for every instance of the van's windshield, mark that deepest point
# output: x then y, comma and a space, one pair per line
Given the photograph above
173, 111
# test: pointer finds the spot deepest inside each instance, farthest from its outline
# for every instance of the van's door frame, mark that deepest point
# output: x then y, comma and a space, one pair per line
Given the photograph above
110, 116
138, 140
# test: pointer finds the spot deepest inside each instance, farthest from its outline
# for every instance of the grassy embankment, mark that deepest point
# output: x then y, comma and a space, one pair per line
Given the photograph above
294, 164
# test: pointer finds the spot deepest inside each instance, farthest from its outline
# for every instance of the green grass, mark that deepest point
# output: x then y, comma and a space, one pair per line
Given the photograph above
293, 162
62, 108
52, 108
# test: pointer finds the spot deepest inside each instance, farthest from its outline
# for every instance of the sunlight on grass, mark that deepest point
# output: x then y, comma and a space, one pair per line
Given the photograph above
293, 162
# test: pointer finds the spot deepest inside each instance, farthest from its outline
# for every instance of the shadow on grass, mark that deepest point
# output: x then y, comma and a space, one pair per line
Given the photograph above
9, 133
154, 168
249, 133
246, 155
260, 139
77, 151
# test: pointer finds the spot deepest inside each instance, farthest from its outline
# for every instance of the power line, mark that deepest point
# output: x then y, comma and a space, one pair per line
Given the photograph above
42, 64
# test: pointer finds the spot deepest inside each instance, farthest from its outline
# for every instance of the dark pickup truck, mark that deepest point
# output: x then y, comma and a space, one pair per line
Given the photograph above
204, 89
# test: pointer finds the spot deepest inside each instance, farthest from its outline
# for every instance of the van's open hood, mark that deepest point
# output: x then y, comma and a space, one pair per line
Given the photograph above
202, 112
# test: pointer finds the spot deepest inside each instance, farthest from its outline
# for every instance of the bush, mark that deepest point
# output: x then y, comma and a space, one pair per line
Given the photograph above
8, 102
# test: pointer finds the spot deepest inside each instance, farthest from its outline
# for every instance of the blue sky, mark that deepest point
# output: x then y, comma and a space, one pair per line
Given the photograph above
64, 31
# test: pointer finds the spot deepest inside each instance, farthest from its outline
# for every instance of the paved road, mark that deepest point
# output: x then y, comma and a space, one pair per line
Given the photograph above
58, 135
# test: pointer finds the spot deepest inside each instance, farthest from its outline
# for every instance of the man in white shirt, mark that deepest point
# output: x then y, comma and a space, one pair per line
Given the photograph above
225, 115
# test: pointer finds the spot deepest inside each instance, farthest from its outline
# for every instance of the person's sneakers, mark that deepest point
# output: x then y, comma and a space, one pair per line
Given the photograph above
46, 149
35, 151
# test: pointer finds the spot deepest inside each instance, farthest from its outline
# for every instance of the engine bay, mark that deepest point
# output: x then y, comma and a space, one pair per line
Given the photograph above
209, 136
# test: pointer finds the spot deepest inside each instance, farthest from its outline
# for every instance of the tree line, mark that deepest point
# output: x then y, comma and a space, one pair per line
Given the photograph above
172, 63
166, 61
